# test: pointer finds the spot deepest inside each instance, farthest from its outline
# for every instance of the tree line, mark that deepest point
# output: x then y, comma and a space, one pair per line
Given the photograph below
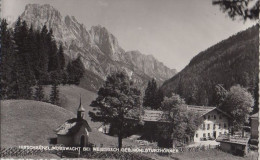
32, 58
230, 62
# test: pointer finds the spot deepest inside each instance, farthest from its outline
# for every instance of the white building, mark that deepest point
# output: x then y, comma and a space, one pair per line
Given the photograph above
214, 122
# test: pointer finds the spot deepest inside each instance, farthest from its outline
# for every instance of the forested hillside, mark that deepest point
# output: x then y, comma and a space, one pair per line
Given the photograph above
32, 58
232, 61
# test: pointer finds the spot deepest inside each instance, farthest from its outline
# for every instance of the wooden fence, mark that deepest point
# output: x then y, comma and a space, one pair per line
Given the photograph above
17, 152
197, 148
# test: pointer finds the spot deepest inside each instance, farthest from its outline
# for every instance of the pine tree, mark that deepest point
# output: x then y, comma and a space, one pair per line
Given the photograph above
153, 97
7, 70
61, 57
54, 96
75, 71
23, 71
39, 94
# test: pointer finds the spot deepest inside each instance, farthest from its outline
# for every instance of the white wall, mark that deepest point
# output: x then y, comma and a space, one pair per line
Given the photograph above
211, 122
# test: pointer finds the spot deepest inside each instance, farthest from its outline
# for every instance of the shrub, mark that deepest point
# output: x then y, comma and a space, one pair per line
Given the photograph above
254, 141
253, 147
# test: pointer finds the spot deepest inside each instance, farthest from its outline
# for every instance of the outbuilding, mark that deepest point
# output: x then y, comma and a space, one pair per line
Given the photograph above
234, 145
75, 131
254, 125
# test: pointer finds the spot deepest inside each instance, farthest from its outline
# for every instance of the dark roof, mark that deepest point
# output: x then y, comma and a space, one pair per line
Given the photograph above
201, 110
72, 126
154, 116
254, 115
233, 139
160, 116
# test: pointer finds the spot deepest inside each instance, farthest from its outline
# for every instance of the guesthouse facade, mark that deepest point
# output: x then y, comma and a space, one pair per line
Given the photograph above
214, 122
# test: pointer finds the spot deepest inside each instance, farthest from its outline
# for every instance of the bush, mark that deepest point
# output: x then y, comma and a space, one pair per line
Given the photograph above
254, 141
253, 147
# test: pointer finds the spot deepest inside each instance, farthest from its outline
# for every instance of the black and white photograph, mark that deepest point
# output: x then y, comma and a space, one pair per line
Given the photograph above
129, 79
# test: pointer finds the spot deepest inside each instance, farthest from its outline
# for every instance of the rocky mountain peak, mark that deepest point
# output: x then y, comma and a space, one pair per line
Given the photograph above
107, 42
99, 49
43, 12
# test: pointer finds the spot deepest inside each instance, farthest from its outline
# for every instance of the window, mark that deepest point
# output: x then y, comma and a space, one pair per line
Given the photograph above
208, 116
219, 126
204, 126
214, 126
208, 126
225, 125
204, 134
220, 133
204, 117
215, 117
197, 135
208, 134
220, 117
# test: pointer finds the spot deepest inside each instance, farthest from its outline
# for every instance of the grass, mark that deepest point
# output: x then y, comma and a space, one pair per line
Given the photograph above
213, 154
28, 122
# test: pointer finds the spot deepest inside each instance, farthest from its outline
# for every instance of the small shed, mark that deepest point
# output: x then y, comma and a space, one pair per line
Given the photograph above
75, 131
234, 145
254, 125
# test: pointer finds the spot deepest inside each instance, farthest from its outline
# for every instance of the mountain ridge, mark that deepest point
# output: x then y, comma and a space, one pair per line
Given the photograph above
99, 49
232, 61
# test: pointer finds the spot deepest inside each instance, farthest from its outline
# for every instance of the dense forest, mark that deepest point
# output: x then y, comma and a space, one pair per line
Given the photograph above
32, 58
230, 62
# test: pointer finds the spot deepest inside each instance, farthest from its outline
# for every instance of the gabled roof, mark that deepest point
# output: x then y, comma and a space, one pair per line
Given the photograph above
202, 110
233, 139
72, 126
161, 116
154, 116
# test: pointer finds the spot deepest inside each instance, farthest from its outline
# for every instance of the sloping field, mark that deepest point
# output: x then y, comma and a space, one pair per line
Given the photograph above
70, 98
27, 122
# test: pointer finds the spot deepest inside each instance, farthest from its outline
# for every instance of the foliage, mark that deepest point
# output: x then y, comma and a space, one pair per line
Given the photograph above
220, 94
245, 9
9, 85
75, 71
29, 56
39, 93
153, 96
118, 104
183, 123
54, 96
232, 61
238, 104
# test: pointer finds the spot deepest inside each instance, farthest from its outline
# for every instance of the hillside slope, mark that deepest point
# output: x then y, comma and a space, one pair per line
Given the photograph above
27, 122
232, 61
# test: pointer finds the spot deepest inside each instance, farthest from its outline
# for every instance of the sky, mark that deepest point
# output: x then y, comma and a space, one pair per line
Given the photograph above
173, 31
